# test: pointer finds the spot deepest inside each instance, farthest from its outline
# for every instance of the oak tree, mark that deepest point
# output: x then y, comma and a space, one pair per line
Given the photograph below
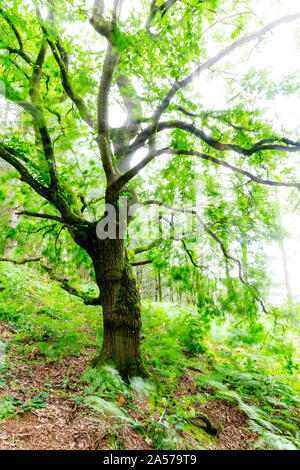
61, 62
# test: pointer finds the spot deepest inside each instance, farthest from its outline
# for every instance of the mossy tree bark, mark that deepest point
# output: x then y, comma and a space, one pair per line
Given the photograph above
119, 298
121, 307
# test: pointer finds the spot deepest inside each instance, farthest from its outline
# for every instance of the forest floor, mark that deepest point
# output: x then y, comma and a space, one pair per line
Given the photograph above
236, 388
55, 422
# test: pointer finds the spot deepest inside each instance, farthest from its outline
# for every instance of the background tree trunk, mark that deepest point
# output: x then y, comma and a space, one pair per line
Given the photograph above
159, 286
289, 295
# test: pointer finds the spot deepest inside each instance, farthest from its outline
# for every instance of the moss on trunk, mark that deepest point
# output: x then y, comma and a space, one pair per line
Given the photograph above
120, 300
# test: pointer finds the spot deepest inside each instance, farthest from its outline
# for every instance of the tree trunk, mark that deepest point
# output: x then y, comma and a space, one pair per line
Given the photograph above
289, 295
159, 286
171, 293
121, 306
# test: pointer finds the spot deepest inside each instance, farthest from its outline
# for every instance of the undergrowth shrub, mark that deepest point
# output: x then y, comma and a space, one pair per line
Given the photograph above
107, 394
43, 316
7, 407
246, 332
271, 405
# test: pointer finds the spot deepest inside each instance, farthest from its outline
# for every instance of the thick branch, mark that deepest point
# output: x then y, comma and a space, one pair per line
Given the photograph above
103, 138
61, 58
41, 216
99, 22
213, 60
142, 263
54, 276
40, 121
36, 111
20, 51
8, 156
20, 261
235, 169
50, 194
142, 249
126, 177
64, 282
265, 144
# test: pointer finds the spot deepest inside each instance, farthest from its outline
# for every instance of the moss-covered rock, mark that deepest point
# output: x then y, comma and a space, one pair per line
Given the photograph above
204, 440
203, 422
